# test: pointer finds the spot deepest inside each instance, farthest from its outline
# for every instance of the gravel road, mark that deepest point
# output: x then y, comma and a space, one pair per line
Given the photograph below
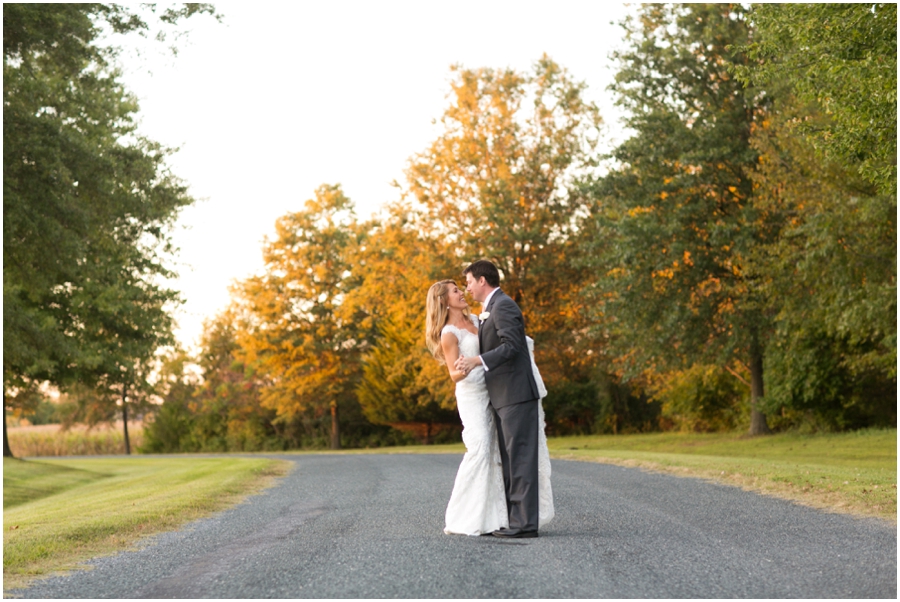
370, 526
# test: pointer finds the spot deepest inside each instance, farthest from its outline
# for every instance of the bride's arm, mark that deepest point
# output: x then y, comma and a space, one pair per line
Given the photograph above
450, 345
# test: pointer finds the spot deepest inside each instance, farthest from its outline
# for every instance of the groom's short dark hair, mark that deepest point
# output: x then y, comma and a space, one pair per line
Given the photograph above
485, 268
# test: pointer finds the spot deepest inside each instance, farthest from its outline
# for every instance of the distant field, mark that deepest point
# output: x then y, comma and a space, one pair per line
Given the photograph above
49, 440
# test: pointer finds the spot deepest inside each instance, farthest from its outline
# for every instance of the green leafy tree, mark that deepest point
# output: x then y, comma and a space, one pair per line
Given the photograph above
34, 405
843, 59
676, 223
171, 426
827, 163
125, 323
87, 202
212, 402
228, 404
702, 398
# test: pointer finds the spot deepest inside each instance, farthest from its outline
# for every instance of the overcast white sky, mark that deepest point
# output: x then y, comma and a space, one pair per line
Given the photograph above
282, 97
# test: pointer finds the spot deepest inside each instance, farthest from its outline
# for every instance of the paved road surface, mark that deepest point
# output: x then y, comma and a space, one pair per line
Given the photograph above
369, 526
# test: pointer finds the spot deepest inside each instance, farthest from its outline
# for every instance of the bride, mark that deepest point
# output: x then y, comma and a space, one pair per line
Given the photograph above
478, 503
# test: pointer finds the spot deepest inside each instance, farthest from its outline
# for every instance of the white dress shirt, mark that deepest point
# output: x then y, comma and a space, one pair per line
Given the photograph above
483, 308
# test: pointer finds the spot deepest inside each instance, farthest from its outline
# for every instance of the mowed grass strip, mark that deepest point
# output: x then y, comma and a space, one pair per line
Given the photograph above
58, 513
854, 473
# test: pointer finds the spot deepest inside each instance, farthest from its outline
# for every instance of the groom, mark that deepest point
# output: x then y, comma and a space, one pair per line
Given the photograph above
513, 394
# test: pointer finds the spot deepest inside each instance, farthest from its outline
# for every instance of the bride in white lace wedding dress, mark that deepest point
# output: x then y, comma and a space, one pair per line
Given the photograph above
478, 503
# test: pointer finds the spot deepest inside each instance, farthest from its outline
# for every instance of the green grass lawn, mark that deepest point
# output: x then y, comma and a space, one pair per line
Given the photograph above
57, 513
848, 472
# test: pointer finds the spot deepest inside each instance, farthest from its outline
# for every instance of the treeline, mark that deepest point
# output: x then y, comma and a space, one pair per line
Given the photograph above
731, 265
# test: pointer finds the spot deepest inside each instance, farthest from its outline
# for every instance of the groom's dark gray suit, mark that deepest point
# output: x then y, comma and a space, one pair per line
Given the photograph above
514, 401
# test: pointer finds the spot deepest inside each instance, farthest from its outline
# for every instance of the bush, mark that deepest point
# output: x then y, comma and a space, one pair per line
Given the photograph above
170, 430
598, 406
818, 383
703, 399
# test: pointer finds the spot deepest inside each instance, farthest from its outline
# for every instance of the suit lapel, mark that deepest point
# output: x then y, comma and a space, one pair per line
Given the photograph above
486, 308
493, 300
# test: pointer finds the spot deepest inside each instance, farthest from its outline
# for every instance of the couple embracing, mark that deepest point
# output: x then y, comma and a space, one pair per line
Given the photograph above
502, 487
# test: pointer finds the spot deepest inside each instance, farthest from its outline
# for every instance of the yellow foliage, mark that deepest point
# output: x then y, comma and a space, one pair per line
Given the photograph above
636, 211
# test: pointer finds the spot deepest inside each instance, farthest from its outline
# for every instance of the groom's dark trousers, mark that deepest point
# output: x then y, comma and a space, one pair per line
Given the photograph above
517, 427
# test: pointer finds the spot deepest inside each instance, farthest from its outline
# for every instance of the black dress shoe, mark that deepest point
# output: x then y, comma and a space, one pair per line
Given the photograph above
514, 533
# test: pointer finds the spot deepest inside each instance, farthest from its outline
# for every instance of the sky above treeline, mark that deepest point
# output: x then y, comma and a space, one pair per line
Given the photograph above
279, 98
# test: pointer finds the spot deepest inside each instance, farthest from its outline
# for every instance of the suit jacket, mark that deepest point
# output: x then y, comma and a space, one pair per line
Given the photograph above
501, 337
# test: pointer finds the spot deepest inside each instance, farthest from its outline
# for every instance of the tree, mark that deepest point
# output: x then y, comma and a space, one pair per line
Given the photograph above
827, 163
402, 385
87, 202
702, 398
843, 59
172, 426
675, 222
228, 404
292, 333
125, 323
393, 390
212, 402
498, 184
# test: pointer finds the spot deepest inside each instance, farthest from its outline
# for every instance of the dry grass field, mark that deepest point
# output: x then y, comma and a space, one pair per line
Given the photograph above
51, 440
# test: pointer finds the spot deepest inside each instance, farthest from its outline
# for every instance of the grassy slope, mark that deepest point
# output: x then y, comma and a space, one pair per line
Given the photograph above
27, 481
57, 513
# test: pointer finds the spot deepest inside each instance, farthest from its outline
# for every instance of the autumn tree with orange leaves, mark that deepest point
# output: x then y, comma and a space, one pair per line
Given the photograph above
497, 183
290, 331
401, 383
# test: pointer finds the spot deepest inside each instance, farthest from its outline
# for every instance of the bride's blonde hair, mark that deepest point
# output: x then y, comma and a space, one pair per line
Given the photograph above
437, 312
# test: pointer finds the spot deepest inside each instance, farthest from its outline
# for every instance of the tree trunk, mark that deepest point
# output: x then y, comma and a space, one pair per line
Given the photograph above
335, 427
758, 425
125, 418
7, 452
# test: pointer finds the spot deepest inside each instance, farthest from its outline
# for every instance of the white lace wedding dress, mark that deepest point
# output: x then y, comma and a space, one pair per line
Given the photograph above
478, 502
